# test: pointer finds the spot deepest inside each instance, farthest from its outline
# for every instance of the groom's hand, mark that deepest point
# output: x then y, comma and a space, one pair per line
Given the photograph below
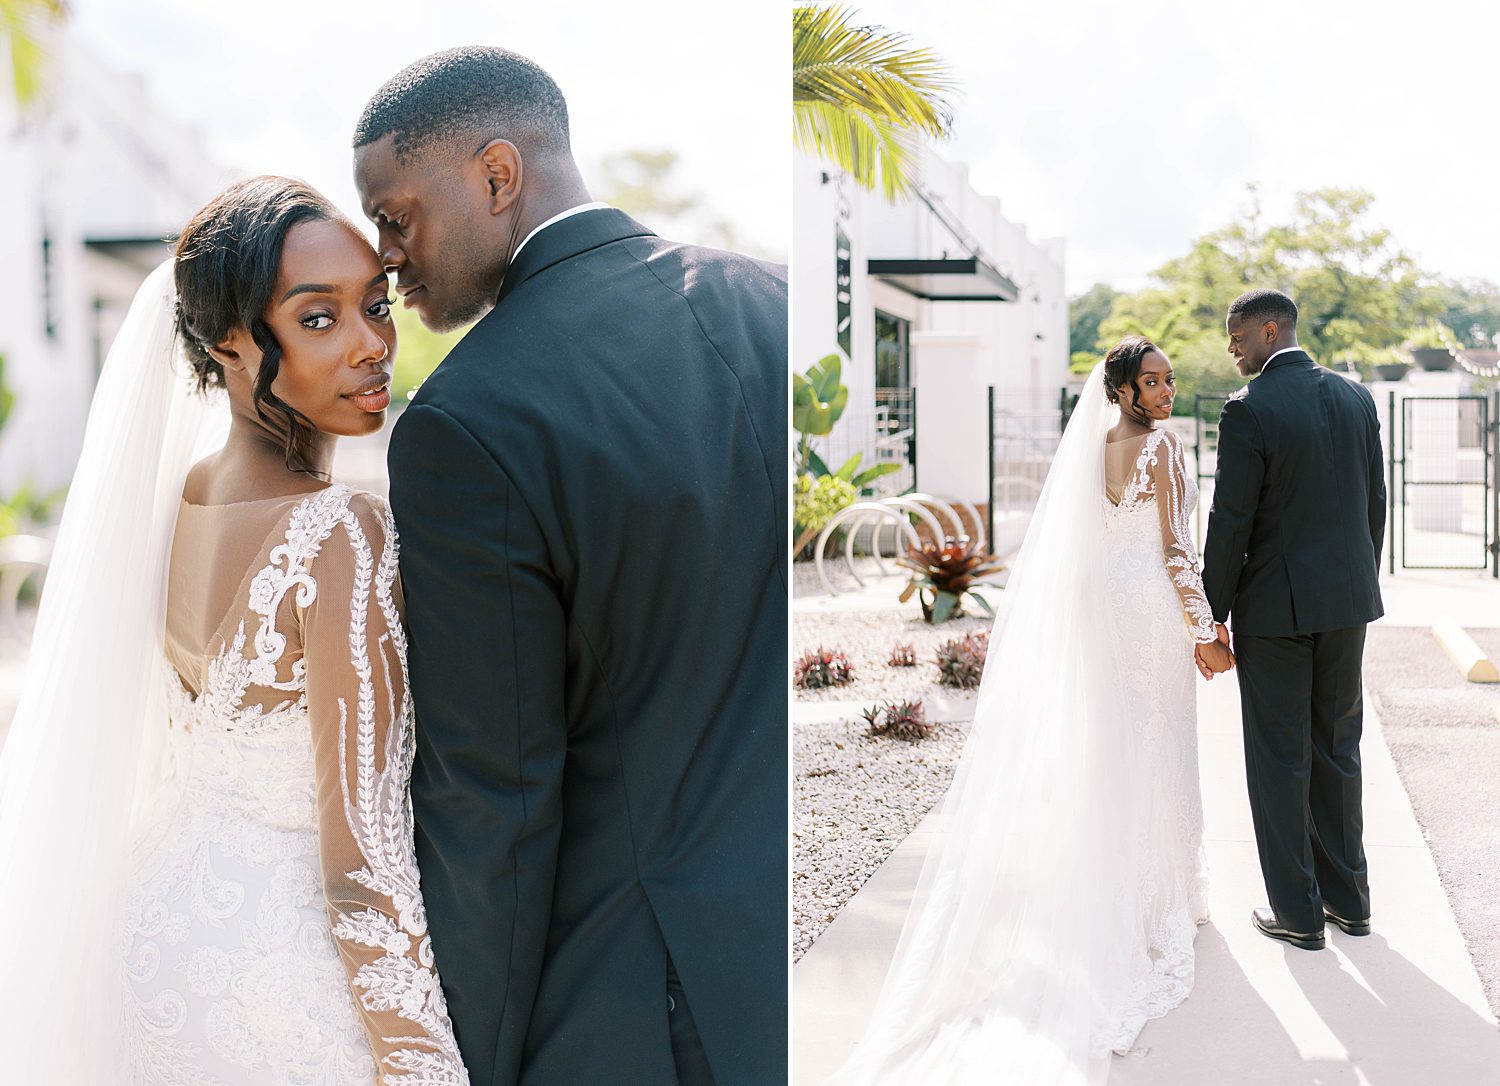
1223, 632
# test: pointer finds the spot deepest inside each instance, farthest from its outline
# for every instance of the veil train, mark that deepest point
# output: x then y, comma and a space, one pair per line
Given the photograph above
1019, 946
93, 710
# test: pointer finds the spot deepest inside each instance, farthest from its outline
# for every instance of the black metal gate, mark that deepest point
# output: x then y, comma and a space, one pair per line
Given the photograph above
1444, 507
1444, 452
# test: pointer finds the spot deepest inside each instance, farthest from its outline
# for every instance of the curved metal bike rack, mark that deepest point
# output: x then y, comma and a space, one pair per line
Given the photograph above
893, 510
860, 510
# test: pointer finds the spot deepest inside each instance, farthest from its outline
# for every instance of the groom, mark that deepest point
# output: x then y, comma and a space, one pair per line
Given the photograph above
591, 493
1293, 554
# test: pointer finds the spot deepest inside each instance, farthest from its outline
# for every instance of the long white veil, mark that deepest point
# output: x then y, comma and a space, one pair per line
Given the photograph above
93, 710
1017, 943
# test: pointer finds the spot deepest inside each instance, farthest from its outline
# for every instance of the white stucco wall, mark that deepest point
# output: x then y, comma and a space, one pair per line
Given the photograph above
96, 160
1021, 348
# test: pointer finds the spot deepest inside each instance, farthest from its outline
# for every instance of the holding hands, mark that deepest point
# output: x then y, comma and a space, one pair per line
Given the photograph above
1213, 657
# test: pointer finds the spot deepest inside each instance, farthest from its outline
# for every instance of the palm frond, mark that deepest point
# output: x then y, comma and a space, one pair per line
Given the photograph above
867, 149
870, 69
862, 98
20, 23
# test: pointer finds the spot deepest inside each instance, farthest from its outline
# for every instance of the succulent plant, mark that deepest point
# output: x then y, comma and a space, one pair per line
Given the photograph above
822, 667
946, 573
903, 655
815, 502
961, 661
898, 720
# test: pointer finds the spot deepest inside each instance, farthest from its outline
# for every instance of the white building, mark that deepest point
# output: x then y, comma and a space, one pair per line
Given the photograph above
940, 293
95, 180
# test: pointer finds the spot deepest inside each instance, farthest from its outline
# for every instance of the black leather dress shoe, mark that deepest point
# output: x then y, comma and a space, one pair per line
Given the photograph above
1351, 927
1266, 923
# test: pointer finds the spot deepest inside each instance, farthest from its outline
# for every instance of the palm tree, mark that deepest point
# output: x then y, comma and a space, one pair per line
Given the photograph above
20, 21
863, 99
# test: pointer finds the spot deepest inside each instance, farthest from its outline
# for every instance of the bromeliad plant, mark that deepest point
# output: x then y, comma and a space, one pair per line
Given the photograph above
898, 720
821, 668
961, 661
946, 574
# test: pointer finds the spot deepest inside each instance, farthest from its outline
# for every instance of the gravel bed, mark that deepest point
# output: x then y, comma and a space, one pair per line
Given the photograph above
867, 637
1445, 742
854, 800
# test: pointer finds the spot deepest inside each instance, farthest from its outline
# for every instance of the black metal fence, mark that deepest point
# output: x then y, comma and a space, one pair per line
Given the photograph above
1442, 458
1022, 447
896, 408
1444, 509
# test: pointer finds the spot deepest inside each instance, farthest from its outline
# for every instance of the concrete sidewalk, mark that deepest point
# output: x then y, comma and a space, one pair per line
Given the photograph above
1401, 1006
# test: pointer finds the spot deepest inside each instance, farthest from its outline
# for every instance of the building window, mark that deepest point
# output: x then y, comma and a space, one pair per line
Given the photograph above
894, 405
843, 275
892, 354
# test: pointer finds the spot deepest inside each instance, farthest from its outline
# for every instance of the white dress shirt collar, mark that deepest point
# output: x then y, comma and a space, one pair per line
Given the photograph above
1282, 351
559, 217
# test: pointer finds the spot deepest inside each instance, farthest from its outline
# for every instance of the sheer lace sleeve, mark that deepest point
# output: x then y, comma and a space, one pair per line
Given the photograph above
354, 648
1168, 471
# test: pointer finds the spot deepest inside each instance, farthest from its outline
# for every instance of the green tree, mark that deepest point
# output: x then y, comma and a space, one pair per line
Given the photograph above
1357, 292
640, 183
863, 99
23, 25
1085, 313
1469, 307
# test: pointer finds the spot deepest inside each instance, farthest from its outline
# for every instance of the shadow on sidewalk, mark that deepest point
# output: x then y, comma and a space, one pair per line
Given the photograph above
1399, 1025
1172, 1049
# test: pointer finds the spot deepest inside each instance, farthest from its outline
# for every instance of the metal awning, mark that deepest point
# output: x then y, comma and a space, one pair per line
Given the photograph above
969, 279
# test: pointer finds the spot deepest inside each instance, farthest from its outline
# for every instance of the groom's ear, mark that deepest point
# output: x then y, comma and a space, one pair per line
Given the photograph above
502, 173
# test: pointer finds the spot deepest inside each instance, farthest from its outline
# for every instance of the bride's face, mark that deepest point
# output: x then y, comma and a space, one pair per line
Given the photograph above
330, 312
1155, 387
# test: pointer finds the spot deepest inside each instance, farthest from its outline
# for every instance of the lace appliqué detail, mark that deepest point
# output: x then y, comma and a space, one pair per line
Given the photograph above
1145, 533
230, 948
232, 673
378, 811
1149, 479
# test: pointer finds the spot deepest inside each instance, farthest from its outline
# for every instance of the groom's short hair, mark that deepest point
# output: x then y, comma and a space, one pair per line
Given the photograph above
1265, 304
467, 96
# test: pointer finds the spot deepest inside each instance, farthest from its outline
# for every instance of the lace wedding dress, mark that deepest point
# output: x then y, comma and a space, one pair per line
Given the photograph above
204, 829
1151, 498
273, 928
1058, 902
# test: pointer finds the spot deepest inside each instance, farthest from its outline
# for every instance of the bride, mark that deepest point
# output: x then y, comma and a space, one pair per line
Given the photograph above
1056, 909
204, 823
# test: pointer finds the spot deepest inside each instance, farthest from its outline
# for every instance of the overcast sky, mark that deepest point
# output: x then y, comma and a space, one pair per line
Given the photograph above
277, 86
1130, 128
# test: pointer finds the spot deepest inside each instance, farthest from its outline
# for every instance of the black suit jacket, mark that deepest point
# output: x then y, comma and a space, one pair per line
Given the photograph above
1299, 504
591, 493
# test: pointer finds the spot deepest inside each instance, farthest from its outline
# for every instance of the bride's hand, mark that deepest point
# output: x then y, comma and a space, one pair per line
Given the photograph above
1213, 658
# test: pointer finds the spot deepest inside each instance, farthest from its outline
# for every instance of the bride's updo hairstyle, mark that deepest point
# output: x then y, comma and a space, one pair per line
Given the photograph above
226, 264
1122, 365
